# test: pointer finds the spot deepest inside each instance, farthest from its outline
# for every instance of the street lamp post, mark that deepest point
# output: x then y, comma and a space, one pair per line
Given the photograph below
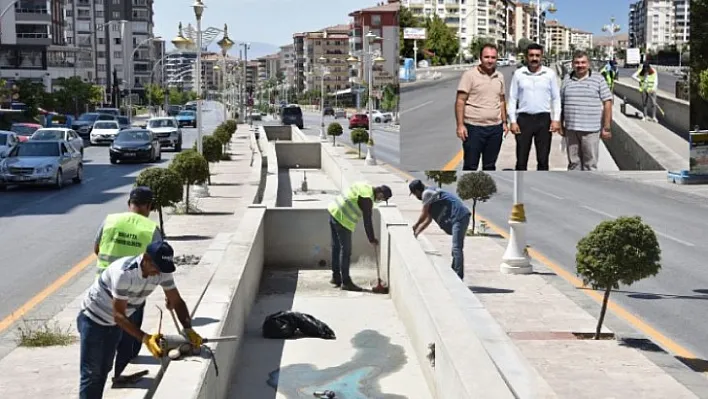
242, 112
515, 259
225, 44
541, 7
130, 84
323, 70
611, 28
200, 191
459, 32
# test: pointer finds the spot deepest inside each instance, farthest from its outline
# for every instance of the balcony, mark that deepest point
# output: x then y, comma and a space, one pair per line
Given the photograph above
34, 39
32, 12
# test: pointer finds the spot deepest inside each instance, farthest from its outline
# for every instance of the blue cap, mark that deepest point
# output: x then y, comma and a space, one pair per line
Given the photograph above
162, 255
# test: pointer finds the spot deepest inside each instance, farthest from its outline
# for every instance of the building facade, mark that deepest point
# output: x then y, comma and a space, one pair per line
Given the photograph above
656, 24
287, 64
558, 38
326, 52
581, 40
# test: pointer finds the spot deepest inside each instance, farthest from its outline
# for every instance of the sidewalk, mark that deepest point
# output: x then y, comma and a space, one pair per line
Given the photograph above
540, 317
53, 372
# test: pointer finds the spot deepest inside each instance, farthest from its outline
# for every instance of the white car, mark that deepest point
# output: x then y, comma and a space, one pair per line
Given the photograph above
7, 141
167, 131
60, 133
380, 117
104, 132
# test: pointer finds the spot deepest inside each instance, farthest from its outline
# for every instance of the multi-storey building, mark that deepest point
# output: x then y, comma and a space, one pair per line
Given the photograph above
580, 40
252, 75
299, 62
287, 64
558, 37
655, 24
326, 51
179, 70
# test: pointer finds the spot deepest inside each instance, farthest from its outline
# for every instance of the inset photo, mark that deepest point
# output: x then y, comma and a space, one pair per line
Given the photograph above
534, 86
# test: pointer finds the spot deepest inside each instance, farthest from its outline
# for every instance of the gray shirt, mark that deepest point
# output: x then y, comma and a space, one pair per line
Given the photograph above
583, 100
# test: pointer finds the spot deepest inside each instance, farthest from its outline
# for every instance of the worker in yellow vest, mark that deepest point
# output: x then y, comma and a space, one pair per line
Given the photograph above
356, 202
120, 235
648, 80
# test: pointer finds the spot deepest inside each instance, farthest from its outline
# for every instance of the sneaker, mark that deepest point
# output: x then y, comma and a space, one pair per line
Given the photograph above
335, 282
350, 286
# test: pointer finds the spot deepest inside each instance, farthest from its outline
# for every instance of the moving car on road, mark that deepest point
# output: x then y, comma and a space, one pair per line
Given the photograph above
8, 140
380, 117
292, 115
359, 120
173, 110
60, 133
328, 111
187, 118
104, 132
109, 111
85, 123
340, 113
124, 122
135, 145
24, 130
42, 162
190, 106
167, 132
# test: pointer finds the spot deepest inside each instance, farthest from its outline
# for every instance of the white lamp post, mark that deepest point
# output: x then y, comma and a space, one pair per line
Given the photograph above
323, 72
200, 191
225, 44
515, 260
131, 82
611, 28
541, 7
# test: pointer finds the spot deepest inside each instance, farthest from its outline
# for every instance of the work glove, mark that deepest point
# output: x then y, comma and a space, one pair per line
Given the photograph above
194, 338
152, 342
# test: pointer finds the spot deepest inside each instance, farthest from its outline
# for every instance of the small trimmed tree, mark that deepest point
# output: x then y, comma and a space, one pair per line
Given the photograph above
478, 187
359, 136
212, 150
231, 126
623, 250
222, 134
166, 187
192, 168
441, 177
335, 130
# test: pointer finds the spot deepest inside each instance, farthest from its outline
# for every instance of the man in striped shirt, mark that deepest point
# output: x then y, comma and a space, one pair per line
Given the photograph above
587, 113
105, 312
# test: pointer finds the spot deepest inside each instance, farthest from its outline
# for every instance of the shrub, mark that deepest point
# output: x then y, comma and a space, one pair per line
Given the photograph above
166, 186
358, 137
231, 126
192, 168
222, 135
623, 250
478, 187
335, 130
212, 149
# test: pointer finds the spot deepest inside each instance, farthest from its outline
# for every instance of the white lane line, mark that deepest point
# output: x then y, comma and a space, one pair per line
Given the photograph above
546, 193
416, 107
657, 232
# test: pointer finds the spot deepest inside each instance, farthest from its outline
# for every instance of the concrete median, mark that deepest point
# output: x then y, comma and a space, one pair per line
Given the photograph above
676, 112
457, 358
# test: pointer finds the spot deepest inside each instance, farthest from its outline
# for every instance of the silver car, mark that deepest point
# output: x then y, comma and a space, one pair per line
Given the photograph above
60, 133
7, 141
42, 162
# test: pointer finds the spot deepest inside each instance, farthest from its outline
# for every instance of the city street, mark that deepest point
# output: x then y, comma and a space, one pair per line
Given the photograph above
46, 232
561, 208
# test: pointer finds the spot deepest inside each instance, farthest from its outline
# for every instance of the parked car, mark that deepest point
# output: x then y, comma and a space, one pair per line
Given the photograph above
256, 116
328, 111
124, 122
340, 113
60, 133
173, 110
167, 132
24, 130
138, 145
85, 123
359, 120
187, 118
8, 140
109, 111
388, 117
292, 115
50, 162
104, 132
379, 117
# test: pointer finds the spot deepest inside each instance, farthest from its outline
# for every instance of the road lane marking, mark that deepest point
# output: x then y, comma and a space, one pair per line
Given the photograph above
416, 107
546, 193
46, 292
656, 336
599, 212
452, 164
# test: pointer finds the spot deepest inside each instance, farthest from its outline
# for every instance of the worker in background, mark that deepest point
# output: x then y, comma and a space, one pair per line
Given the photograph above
608, 75
105, 312
449, 212
648, 80
127, 234
357, 201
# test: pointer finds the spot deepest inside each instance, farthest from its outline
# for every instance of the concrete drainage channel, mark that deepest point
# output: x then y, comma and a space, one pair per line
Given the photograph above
425, 331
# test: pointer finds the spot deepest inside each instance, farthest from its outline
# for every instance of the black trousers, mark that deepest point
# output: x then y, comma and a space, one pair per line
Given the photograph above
535, 128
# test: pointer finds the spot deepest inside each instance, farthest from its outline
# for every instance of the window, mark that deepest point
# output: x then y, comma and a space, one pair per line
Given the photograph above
115, 27
116, 2
116, 14
376, 20
99, 14
117, 54
101, 40
117, 41
101, 68
101, 54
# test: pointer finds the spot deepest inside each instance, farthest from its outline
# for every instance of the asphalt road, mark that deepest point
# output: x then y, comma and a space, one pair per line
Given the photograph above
428, 138
561, 208
386, 143
667, 80
44, 232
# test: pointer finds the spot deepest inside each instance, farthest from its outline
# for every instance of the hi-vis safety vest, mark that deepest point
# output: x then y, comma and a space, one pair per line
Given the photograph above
345, 208
124, 234
646, 82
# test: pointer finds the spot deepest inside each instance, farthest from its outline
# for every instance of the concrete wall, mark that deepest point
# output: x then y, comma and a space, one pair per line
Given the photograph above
676, 112
276, 132
298, 155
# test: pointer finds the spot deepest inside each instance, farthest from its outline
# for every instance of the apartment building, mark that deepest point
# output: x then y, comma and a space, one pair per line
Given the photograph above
268, 67
287, 64
382, 21
655, 24
179, 70
252, 75
326, 51
581, 40
558, 38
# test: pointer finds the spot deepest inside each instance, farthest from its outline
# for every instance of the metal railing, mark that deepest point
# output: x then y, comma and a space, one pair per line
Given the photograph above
33, 35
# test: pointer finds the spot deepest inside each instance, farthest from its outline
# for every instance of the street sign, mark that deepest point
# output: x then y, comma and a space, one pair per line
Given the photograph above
414, 33
698, 160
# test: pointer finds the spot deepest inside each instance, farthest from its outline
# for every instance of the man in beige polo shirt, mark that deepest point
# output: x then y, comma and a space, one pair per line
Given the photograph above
480, 111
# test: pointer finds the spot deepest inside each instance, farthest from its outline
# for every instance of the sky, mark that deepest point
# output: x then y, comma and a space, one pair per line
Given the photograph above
591, 15
266, 24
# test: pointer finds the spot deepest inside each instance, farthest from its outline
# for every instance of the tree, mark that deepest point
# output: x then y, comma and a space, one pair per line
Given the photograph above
406, 19
441, 177
166, 187
192, 168
231, 126
212, 149
389, 99
523, 44
358, 137
221, 133
74, 95
478, 187
154, 93
176, 96
478, 43
335, 130
441, 40
33, 95
623, 250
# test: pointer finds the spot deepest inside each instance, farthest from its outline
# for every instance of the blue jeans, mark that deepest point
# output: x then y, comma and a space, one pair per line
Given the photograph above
484, 142
341, 251
129, 347
459, 231
98, 348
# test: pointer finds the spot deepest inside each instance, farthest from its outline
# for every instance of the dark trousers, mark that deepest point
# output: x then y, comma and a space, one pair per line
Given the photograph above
341, 251
129, 347
459, 232
535, 128
484, 142
98, 348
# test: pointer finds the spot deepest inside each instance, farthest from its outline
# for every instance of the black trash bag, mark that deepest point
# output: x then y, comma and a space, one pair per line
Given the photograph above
288, 324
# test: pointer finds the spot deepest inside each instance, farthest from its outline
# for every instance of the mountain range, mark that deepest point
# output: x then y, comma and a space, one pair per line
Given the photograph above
256, 49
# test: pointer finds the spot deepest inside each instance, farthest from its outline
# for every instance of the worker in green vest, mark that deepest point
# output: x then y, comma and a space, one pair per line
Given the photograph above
345, 211
648, 80
127, 234
608, 74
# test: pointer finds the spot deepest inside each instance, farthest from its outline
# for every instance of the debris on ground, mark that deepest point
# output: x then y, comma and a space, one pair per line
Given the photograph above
187, 260
289, 324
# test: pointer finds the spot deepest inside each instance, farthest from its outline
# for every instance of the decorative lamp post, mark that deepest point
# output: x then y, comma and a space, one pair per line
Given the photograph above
202, 190
323, 70
611, 28
225, 44
131, 82
541, 7
515, 259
